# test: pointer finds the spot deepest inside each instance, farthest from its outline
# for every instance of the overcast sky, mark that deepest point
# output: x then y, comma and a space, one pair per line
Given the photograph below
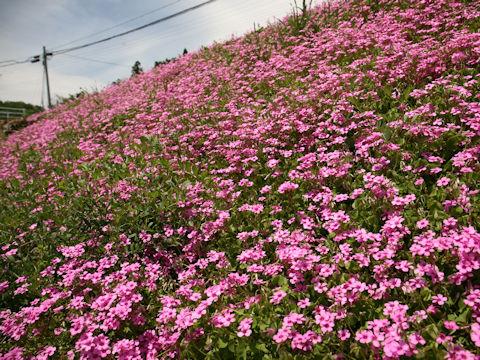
27, 25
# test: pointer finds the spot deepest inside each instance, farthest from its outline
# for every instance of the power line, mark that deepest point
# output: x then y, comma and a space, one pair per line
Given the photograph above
120, 24
94, 60
15, 62
223, 16
62, 51
163, 35
7, 63
36, 58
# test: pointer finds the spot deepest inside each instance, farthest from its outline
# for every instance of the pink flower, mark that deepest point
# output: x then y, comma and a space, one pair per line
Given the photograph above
443, 181
72, 251
3, 286
287, 186
421, 224
325, 319
439, 299
293, 318
256, 209
244, 327
416, 338
265, 189
104, 302
282, 335
343, 334
127, 350
272, 163
302, 304
14, 354
340, 197
451, 325
223, 319
458, 57
441, 338
364, 336
11, 252
277, 297
475, 334
46, 353
356, 193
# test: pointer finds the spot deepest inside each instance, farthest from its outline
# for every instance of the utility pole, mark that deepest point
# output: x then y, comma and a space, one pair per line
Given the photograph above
46, 76
35, 59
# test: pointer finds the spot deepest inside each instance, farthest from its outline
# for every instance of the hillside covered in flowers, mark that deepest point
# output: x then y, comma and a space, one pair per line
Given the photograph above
307, 191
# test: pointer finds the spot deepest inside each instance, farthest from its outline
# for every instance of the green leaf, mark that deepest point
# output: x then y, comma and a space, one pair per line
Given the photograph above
241, 352
262, 326
462, 318
221, 344
262, 348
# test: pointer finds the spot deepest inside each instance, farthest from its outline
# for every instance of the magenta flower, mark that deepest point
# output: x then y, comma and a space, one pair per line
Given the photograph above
451, 325
277, 297
443, 181
439, 299
287, 186
364, 336
282, 335
419, 182
304, 303
475, 333
244, 327
421, 224
343, 334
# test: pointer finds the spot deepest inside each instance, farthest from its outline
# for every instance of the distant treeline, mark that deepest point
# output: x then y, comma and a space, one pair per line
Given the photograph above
138, 69
29, 108
14, 124
185, 51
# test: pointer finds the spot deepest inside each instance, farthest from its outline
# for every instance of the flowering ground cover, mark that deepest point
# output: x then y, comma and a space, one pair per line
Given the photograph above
309, 190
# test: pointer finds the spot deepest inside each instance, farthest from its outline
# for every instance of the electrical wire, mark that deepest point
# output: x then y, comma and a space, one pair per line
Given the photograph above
197, 22
193, 26
16, 62
94, 60
156, 38
120, 24
134, 29
8, 61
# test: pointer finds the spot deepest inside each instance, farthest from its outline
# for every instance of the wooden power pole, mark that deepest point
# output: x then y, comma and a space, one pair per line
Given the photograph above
35, 59
45, 54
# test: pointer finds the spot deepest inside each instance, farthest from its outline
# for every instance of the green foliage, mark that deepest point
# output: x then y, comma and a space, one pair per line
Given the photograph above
30, 108
137, 68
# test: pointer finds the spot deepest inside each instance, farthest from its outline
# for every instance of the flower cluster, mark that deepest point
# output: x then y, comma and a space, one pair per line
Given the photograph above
310, 189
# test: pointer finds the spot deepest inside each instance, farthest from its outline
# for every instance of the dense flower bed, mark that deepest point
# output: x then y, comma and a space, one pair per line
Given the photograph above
309, 190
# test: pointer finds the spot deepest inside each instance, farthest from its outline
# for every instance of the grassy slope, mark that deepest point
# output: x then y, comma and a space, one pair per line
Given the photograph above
318, 177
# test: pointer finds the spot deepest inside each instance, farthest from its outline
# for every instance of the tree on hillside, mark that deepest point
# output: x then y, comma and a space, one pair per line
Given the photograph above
166, 61
137, 68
